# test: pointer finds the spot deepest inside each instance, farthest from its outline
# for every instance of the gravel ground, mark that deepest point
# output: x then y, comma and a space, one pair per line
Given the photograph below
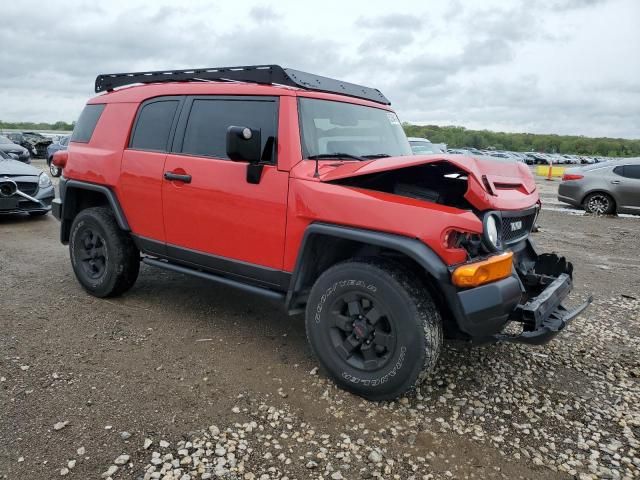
181, 379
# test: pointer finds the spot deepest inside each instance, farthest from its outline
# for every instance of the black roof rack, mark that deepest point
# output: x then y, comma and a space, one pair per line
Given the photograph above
263, 74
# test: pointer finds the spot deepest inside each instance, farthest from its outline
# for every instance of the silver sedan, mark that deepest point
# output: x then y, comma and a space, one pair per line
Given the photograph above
603, 188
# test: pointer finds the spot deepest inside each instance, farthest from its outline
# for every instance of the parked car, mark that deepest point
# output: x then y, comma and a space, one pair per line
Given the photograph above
14, 150
422, 146
61, 144
35, 142
23, 188
383, 251
603, 188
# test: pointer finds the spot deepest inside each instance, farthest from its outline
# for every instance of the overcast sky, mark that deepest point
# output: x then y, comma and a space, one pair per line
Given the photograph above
556, 66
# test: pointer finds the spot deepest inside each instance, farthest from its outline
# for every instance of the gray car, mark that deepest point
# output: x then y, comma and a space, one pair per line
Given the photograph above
23, 188
603, 188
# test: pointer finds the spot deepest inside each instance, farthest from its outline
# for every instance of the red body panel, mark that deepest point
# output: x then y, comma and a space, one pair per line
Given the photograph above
220, 213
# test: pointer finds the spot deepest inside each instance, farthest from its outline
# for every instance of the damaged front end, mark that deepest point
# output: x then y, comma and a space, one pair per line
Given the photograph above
546, 280
524, 304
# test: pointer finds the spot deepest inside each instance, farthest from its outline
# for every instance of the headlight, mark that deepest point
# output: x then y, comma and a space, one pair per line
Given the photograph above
491, 232
44, 181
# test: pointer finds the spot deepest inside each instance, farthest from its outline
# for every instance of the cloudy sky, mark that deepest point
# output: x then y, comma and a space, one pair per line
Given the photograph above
547, 66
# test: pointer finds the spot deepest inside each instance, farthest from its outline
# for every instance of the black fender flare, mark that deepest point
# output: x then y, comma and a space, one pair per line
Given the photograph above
413, 248
68, 207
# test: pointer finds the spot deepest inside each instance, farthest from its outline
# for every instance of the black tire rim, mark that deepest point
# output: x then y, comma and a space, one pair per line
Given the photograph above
361, 331
55, 171
599, 204
92, 254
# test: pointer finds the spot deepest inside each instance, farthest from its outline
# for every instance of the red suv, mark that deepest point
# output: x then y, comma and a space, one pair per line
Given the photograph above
303, 189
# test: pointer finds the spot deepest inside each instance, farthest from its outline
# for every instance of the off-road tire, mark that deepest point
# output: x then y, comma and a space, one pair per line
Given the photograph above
412, 317
113, 249
599, 203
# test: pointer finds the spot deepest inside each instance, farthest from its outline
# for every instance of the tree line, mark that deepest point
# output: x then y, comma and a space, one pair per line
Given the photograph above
459, 137
58, 126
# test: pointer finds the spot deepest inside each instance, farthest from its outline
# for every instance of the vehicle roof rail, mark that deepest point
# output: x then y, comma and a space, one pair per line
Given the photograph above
261, 74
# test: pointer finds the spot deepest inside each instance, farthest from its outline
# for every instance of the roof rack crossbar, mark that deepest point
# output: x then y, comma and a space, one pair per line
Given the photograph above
261, 74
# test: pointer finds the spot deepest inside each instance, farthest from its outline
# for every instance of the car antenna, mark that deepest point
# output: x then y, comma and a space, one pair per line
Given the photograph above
316, 173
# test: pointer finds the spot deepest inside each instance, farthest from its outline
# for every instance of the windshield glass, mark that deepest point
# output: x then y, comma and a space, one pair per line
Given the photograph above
329, 127
4, 140
423, 147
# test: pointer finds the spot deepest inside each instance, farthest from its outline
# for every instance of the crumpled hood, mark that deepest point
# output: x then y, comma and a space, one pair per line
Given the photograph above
494, 183
14, 168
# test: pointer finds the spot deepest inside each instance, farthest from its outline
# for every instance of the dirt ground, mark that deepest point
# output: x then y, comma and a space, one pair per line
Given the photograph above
176, 355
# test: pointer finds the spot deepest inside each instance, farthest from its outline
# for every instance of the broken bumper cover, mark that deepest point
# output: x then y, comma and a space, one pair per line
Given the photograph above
532, 296
544, 316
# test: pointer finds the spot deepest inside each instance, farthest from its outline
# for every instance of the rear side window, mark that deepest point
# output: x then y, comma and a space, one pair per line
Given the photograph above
87, 123
153, 126
206, 129
632, 171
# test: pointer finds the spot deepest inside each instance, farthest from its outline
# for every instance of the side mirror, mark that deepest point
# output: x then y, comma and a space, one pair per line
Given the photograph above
244, 144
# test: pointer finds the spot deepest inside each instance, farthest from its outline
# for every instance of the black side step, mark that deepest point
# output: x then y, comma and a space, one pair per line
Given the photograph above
264, 292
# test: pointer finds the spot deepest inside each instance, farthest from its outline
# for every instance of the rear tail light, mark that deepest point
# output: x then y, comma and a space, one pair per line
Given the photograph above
571, 176
60, 158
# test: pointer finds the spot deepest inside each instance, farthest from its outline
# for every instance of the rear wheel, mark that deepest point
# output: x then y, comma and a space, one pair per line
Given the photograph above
373, 327
599, 203
104, 258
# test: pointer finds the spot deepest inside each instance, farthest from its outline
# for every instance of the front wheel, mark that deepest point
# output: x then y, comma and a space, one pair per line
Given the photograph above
104, 258
373, 327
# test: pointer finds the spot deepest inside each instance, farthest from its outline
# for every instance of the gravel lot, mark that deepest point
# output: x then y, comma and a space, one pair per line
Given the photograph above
183, 379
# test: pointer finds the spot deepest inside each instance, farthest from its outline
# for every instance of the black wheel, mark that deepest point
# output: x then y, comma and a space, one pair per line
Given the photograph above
55, 171
104, 258
38, 214
373, 327
599, 203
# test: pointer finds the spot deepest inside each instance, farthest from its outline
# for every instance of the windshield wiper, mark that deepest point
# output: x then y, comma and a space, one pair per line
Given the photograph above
377, 155
335, 155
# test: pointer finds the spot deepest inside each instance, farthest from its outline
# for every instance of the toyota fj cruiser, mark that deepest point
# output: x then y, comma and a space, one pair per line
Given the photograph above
303, 189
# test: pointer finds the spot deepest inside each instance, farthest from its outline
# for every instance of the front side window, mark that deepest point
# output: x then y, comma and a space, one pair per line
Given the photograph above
209, 119
153, 126
329, 127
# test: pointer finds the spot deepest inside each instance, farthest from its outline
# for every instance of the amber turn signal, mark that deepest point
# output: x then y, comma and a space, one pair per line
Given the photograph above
485, 271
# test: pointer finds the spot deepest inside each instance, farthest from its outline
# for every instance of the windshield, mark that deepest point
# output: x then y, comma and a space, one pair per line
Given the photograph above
4, 140
329, 127
423, 147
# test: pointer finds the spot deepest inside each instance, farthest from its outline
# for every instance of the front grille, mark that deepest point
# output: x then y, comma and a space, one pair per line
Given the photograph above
516, 226
30, 188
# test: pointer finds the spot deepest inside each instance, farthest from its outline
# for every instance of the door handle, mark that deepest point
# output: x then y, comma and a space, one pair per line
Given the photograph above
615, 182
177, 177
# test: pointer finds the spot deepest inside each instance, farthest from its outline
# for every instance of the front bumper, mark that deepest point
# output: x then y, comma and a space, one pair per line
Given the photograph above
23, 203
532, 296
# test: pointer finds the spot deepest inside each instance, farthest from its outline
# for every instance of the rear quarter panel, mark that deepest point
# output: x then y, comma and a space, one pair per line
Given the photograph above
98, 161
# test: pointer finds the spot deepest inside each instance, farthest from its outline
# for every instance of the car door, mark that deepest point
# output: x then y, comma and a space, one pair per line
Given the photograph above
142, 168
213, 217
626, 186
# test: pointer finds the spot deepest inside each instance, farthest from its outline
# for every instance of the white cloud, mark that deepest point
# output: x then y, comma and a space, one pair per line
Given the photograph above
561, 66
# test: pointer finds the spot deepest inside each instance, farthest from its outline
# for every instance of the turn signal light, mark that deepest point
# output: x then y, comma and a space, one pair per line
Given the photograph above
485, 271
571, 176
